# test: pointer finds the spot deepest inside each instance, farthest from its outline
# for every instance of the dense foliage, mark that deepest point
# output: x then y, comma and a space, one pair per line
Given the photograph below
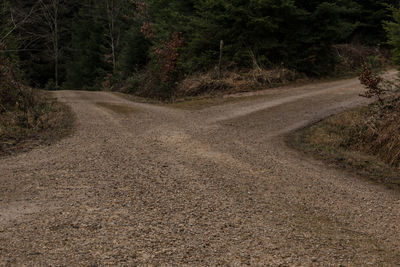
13, 94
393, 30
27, 117
93, 44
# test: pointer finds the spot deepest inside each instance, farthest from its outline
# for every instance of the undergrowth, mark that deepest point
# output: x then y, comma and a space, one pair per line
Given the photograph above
146, 83
365, 141
27, 116
47, 122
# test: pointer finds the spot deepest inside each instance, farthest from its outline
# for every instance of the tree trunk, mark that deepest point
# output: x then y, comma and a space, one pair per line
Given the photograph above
50, 14
111, 30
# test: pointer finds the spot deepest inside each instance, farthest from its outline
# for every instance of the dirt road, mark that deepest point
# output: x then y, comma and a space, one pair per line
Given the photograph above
139, 184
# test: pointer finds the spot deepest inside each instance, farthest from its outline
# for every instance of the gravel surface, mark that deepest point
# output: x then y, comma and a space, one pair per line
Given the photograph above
139, 184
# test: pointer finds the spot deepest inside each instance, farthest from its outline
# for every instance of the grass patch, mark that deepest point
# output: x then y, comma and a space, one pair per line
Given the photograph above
187, 103
136, 99
344, 141
197, 103
200, 103
48, 122
117, 108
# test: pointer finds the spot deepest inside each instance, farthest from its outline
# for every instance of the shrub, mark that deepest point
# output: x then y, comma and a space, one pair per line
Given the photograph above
50, 85
13, 94
372, 83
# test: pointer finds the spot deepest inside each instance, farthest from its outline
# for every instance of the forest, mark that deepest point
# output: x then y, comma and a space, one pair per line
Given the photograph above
199, 133
149, 46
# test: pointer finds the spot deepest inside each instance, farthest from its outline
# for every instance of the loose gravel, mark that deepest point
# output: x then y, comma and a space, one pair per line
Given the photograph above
211, 187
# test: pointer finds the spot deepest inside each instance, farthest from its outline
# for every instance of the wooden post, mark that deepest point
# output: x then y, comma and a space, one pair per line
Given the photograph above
221, 47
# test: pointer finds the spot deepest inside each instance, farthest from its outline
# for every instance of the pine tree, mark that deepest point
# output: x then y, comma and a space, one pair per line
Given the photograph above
135, 51
87, 67
370, 19
393, 32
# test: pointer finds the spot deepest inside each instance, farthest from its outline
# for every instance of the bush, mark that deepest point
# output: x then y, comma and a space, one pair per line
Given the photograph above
375, 85
13, 94
26, 114
352, 58
50, 85
134, 54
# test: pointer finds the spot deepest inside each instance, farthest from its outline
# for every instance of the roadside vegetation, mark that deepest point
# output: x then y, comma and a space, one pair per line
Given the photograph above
365, 140
28, 117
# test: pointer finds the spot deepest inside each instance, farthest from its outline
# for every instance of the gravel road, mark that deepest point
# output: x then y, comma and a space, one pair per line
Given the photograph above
147, 185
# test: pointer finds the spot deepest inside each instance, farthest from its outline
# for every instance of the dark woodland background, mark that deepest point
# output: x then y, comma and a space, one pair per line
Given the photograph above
92, 45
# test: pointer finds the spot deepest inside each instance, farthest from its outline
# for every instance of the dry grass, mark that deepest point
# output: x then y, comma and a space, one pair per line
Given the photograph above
365, 141
117, 108
234, 82
187, 103
197, 104
135, 98
47, 123
381, 135
352, 57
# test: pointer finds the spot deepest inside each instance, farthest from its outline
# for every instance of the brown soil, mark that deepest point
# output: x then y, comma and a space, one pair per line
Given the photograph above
206, 187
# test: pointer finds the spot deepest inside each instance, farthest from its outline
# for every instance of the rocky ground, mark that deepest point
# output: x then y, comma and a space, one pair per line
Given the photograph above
140, 184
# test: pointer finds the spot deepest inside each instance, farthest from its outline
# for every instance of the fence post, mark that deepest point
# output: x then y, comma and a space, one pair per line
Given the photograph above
221, 47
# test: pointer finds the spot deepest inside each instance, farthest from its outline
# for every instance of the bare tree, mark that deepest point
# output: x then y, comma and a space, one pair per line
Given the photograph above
113, 10
17, 18
50, 12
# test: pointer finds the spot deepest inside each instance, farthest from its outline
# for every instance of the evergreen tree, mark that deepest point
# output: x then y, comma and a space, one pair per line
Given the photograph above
393, 31
98, 39
297, 33
87, 67
135, 51
370, 19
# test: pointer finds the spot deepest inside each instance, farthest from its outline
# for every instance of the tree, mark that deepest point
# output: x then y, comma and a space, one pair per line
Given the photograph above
50, 13
113, 12
393, 31
14, 18
135, 50
369, 18
299, 34
87, 66
77, 43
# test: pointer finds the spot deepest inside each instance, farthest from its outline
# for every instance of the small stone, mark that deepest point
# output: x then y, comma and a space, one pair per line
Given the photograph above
314, 259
